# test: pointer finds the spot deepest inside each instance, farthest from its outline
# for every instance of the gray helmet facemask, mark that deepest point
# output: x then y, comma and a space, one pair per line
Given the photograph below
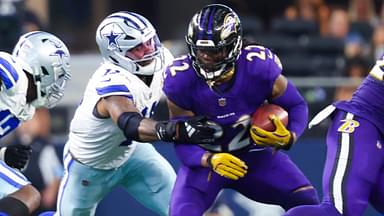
122, 31
46, 58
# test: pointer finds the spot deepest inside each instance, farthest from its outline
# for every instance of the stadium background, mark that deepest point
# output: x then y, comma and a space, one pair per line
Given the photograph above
312, 57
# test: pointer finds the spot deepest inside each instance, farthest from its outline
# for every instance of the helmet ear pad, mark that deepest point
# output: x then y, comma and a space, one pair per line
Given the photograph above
121, 32
32, 89
217, 28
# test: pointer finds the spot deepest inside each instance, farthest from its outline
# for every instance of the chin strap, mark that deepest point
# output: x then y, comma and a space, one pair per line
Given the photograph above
223, 78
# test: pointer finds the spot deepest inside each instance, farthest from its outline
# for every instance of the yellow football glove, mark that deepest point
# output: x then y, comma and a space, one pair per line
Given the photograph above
227, 165
281, 138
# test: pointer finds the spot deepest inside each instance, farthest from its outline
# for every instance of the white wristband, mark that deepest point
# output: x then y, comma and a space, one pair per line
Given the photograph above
2, 153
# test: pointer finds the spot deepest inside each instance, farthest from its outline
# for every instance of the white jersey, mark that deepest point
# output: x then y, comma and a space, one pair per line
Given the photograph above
13, 90
99, 142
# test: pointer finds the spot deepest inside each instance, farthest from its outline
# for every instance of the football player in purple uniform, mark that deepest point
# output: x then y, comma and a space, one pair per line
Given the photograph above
353, 172
228, 81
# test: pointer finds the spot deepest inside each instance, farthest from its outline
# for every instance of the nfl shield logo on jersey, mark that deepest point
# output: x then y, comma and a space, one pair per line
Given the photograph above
222, 102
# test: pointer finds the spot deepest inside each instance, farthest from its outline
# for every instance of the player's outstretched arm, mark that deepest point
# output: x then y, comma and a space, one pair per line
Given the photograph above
195, 130
123, 112
203, 130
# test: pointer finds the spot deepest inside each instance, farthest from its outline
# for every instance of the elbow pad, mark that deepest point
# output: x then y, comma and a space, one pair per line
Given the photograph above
129, 123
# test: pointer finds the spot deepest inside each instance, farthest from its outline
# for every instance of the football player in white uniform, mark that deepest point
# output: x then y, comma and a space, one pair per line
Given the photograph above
110, 132
34, 76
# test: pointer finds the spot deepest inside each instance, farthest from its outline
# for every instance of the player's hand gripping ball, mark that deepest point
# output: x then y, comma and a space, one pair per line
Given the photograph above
261, 117
269, 127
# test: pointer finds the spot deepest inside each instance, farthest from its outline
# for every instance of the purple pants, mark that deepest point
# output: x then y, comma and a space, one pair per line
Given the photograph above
354, 169
271, 178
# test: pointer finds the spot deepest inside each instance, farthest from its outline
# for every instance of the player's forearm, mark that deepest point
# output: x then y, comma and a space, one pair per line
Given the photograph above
298, 119
137, 127
147, 130
296, 107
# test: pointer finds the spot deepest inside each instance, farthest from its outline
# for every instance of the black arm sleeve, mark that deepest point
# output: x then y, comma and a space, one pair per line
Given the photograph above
129, 123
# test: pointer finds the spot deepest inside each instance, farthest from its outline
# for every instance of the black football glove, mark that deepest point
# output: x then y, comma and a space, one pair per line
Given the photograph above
196, 130
17, 156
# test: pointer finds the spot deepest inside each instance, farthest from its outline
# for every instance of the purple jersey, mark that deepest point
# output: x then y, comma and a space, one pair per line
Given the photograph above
256, 71
353, 173
367, 102
196, 187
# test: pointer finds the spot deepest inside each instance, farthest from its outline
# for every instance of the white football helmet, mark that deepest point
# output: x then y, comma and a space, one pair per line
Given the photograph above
122, 31
46, 57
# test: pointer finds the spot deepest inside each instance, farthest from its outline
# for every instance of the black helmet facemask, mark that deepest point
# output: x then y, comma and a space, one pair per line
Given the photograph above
215, 30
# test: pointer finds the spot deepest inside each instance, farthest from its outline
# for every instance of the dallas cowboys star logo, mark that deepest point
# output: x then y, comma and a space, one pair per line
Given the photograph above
112, 38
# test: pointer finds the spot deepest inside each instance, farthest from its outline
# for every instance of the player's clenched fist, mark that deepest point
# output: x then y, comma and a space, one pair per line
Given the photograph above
16, 156
195, 130
227, 165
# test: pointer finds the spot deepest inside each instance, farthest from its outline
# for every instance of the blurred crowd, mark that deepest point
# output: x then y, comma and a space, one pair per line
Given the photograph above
311, 37
314, 38
318, 37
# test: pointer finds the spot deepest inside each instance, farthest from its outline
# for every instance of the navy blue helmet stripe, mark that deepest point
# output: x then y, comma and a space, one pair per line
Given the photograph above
129, 21
8, 73
139, 18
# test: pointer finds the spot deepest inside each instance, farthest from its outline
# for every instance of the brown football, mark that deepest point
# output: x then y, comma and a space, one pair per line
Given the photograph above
260, 117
